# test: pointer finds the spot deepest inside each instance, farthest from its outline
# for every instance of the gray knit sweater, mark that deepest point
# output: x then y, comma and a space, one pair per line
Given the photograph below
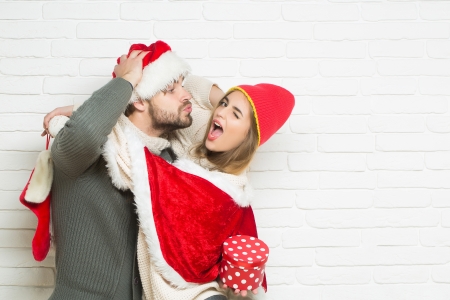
94, 223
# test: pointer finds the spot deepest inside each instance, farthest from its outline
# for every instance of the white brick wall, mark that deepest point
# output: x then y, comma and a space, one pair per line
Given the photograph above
352, 194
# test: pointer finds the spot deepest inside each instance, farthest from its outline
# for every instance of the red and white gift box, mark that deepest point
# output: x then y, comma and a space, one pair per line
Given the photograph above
243, 261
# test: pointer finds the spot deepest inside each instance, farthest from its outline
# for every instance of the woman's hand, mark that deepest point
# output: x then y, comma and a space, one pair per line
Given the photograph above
64, 111
237, 291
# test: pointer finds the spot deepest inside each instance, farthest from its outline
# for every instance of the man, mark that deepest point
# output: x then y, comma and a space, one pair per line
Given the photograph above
94, 219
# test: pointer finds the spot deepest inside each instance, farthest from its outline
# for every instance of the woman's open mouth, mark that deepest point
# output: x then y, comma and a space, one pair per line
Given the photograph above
215, 131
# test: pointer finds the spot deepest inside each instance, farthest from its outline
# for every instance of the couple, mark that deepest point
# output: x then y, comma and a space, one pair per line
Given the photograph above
106, 164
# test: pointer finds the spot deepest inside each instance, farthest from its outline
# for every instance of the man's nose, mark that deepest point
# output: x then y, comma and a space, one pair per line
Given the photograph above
186, 96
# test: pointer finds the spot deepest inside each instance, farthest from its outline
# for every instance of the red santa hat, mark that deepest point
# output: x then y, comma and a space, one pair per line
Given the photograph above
160, 67
272, 106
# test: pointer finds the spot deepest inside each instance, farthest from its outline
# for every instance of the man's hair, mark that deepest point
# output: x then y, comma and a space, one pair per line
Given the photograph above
236, 160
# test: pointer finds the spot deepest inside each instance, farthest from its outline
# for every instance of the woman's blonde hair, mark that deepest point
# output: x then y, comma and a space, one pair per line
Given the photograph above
233, 161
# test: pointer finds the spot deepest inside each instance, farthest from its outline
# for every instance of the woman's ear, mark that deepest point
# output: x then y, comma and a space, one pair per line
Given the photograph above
140, 105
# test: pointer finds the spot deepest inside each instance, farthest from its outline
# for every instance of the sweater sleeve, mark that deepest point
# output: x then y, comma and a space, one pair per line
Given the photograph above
78, 144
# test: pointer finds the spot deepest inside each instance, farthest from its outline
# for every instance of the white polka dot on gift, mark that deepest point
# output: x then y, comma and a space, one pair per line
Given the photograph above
257, 244
249, 287
229, 277
243, 240
225, 243
257, 279
253, 251
236, 254
235, 286
243, 281
239, 247
252, 275
262, 249
234, 242
237, 274
248, 246
257, 256
245, 253
230, 249
252, 238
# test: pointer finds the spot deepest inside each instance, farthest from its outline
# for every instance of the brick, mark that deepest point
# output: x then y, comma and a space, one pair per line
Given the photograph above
438, 49
80, 11
241, 11
37, 30
435, 237
77, 86
381, 31
335, 199
434, 85
320, 12
270, 218
15, 161
290, 143
352, 218
27, 277
387, 292
405, 179
21, 141
227, 82
20, 11
437, 160
401, 49
441, 198
327, 162
278, 68
20, 85
281, 275
346, 143
192, 30
388, 86
347, 68
269, 162
307, 238
434, 11
396, 124
344, 180
24, 48
271, 236
440, 274
32, 103
322, 86
16, 292
341, 105
402, 198
23, 258
115, 30
246, 49
266, 30
284, 180
318, 124
89, 48
381, 256
413, 142
418, 67
17, 219
388, 11
291, 258
326, 49
189, 49
395, 161
438, 124
16, 122
160, 11
16, 238
333, 276
292, 292
214, 68
9, 200
389, 237
445, 220
302, 105
97, 66
402, 274
409, 105
39, 66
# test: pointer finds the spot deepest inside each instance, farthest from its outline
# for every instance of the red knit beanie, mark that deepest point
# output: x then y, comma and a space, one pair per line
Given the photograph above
272, 106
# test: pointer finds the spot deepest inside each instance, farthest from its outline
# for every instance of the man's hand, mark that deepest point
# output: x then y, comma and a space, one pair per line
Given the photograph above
64, 111
130, 68
237, 291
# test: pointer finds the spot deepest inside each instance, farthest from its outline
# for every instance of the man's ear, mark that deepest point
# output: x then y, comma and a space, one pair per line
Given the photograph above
140, 105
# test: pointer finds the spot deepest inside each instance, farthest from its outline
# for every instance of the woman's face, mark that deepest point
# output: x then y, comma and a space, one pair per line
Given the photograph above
231, 123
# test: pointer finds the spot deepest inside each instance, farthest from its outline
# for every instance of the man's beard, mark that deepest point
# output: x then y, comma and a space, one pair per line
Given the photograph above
167, 121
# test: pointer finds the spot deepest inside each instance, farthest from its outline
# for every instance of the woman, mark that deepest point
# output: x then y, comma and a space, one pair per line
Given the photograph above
223, 138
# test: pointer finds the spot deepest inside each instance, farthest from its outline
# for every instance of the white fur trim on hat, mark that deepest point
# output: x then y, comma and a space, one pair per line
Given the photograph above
158, 75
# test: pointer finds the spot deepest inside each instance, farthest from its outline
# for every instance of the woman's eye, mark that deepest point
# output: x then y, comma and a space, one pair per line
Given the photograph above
223, 103
235, 114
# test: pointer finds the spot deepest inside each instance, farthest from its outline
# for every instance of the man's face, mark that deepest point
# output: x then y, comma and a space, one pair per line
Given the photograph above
171, 110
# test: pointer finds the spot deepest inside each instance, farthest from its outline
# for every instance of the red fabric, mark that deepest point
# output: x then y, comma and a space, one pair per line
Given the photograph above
41, 240
156, 50
273, 106
193, 218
